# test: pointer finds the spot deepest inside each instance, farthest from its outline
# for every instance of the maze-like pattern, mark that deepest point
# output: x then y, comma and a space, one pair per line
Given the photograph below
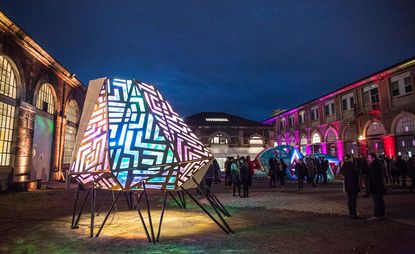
187, 146
134, 135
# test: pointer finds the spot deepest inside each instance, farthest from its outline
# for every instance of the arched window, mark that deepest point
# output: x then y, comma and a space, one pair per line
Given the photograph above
219, 140
8, 83
331, 136
375, 128
303, 140
72, 117
316, 139
72, 112
256, 141
405, 125
8, 87
45, 99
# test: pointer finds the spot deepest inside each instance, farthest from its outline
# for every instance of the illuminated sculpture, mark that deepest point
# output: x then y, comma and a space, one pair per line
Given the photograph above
130, 139
284, 152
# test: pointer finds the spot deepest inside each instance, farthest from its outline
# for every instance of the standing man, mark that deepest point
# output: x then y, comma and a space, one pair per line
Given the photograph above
310, 171
228, 174
376, 186
251, 165
363, 167
301, 171
410, 164
244, 171
324, 167
216, 172
351, 184
272, 172
402, 168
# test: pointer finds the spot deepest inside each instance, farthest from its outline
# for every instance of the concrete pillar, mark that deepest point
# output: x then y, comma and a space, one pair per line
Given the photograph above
57, 150
23, 164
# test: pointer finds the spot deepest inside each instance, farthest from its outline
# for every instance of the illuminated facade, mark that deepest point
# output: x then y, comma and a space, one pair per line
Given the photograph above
35, 91
130, 135
375, 114
228, 135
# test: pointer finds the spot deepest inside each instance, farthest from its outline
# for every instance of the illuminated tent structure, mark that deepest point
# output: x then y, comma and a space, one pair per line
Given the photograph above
130, 140
284, 152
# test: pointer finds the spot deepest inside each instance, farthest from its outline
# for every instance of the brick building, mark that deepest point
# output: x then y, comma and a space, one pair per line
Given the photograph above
40, 104
228, 135
374, 114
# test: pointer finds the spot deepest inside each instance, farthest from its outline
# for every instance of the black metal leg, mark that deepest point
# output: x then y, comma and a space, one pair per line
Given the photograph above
74, 226
91, 234
181, 197
215, 201
161, 216
137, 203
213, 206
149, 214
177, 202
206, 211
108, 214
74, 205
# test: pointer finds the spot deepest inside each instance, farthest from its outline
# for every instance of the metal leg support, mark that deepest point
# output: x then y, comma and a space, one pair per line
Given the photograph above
108, 214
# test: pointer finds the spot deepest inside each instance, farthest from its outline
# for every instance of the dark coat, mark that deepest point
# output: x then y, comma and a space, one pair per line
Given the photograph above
301, 170
272, 167
244, 171
402, 167
410, 164
375, 177
351, 177
363, 166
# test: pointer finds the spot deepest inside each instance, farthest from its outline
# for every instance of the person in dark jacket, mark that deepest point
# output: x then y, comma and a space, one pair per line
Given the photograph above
324, 164
363, 167
310, 171
209, 176
351, 184
410, 164
236, 177
282, 172
376, 186
402, 168
301, 172
244, 172
228, 175
251, 165
272, 174
216, 172
394, 172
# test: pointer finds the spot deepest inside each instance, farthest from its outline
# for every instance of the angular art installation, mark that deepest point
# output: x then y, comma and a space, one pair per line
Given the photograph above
130, 135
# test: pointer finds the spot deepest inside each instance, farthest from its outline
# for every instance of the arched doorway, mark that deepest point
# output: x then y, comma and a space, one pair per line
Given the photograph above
72, 119
256, 140
405, 135
43, 132
374, 136
331, 142
315, 142
303, 144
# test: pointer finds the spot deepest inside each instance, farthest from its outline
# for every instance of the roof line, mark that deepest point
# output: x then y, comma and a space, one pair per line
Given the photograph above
376, 75
33, 48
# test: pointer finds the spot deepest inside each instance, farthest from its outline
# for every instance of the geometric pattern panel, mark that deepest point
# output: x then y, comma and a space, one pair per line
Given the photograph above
134, 136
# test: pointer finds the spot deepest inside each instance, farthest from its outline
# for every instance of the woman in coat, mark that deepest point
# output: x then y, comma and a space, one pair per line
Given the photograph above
235, 175
351, 184
376, 186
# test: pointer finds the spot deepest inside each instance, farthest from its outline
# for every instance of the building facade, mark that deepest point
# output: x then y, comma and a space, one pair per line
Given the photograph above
228, 135
40, 106
375, 114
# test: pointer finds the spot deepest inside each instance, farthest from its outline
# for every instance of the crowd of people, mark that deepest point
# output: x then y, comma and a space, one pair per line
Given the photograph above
372, 173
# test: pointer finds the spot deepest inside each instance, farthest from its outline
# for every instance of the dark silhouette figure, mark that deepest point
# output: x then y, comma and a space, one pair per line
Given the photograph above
351, 184
376, 186
244, 172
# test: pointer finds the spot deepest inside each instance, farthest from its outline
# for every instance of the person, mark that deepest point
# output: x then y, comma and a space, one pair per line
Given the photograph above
324, 164
216, 172
376, 186
228, 174
251, 165
282, 172
272, 172
301, 171
310, 171
235, 175
410, 164
319, 176
351, 184
209, 176
244, 172
403, 170
363, 167
394, 172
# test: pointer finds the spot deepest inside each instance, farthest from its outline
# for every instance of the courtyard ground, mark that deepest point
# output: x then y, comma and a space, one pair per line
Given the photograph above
277, 220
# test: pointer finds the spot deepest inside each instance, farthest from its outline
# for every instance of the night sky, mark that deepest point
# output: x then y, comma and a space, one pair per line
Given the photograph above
240, 57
